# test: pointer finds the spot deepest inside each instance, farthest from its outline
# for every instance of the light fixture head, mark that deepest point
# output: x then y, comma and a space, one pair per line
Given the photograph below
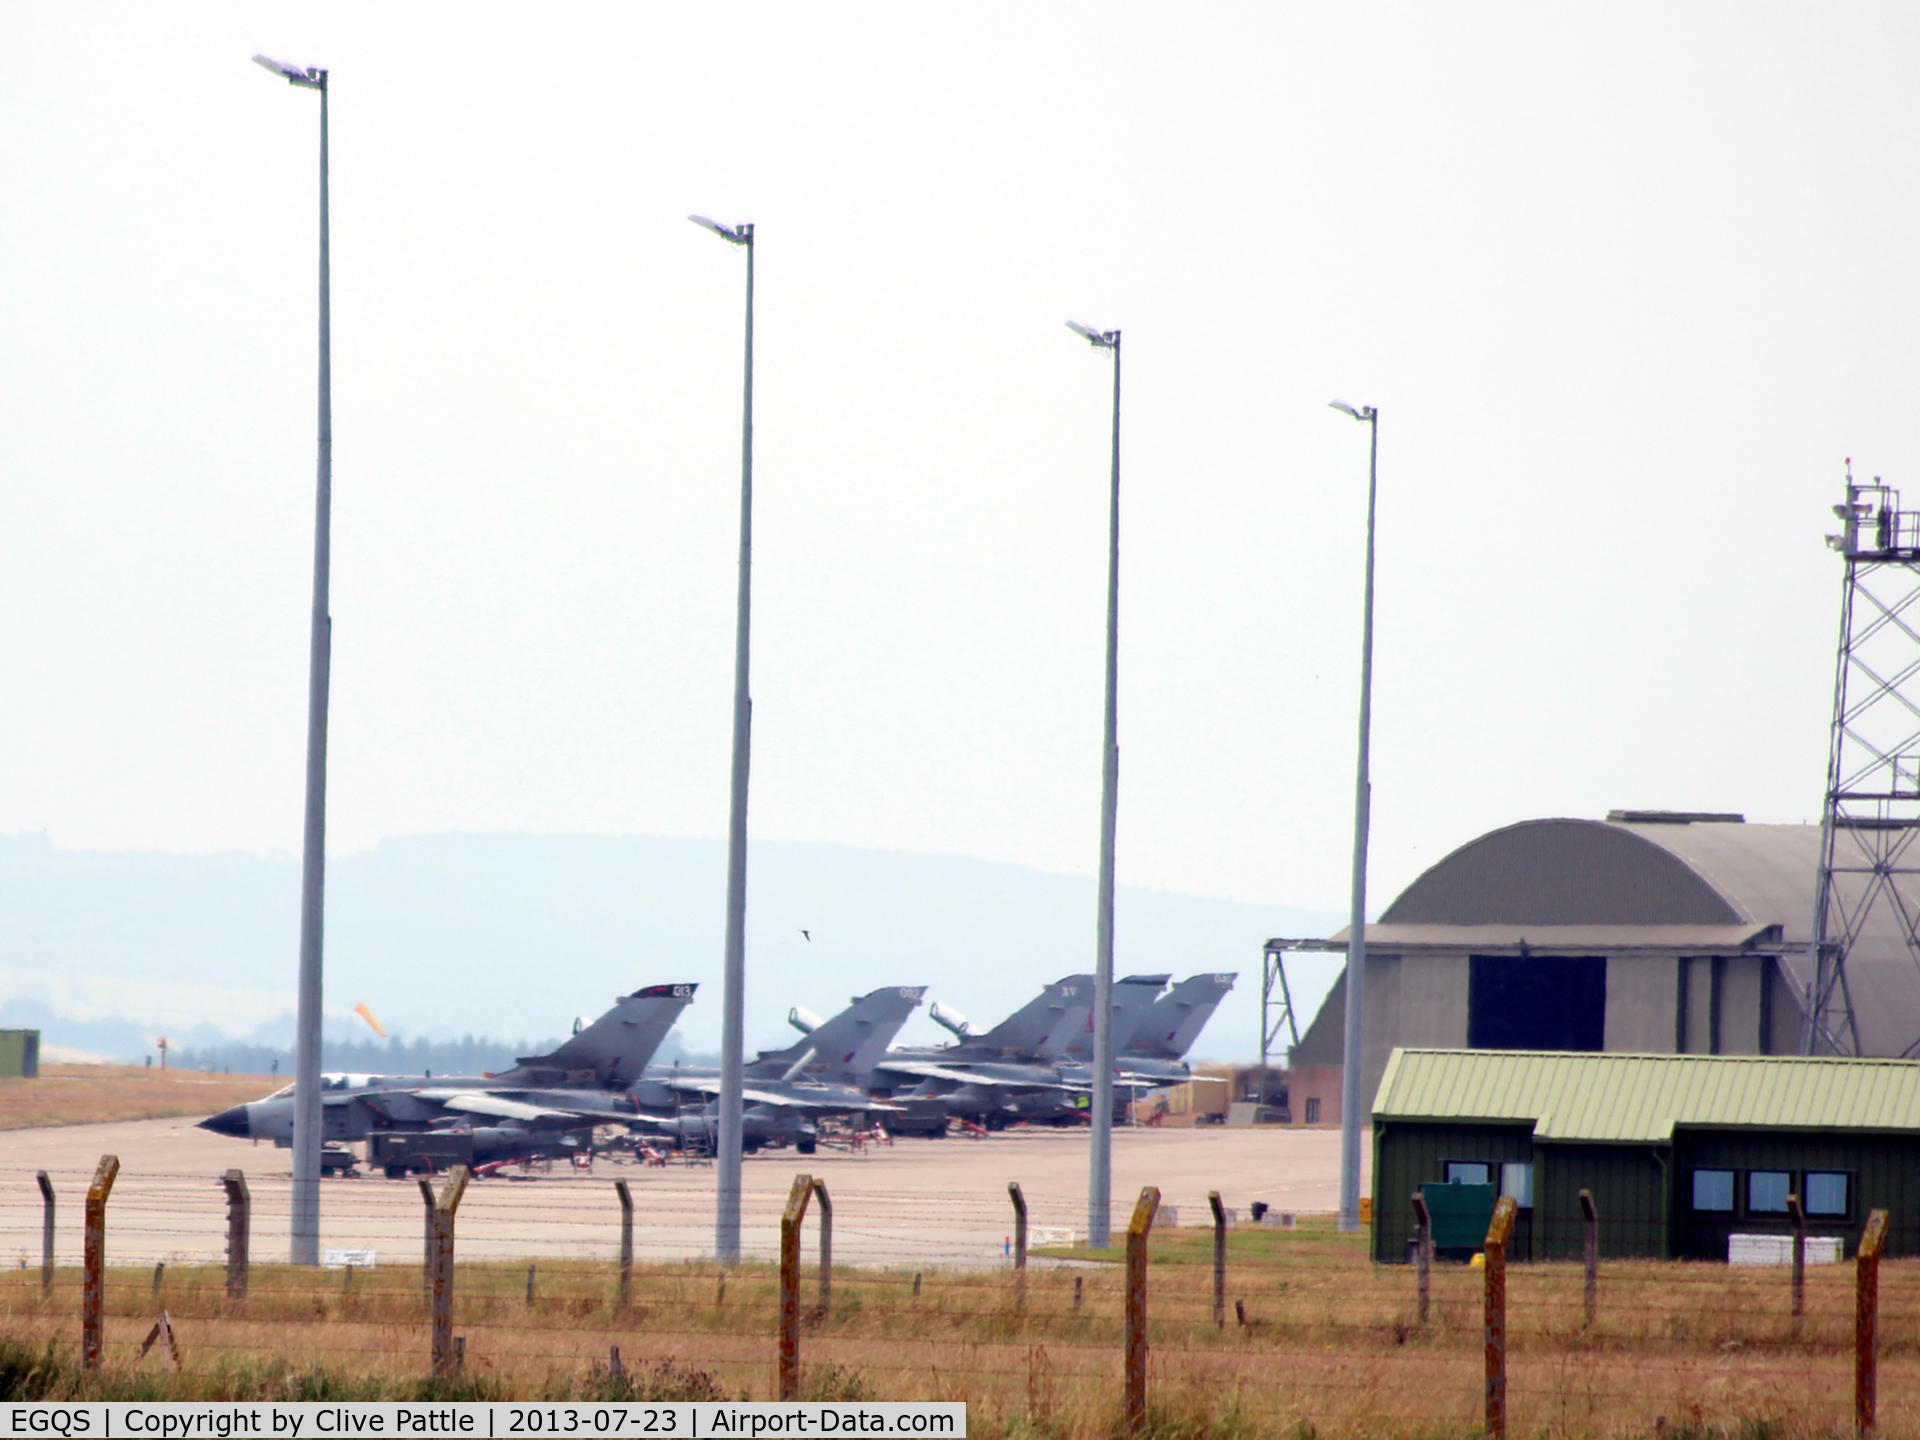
304, 76
1364, 412
736, 235
1099, 339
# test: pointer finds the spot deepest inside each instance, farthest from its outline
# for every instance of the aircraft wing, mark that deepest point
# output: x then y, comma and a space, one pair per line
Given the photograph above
757, 1096
479, 1102
927, 1070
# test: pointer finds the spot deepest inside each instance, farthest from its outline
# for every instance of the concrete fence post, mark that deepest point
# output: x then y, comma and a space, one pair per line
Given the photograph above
1798, 1214
790, 1221
1019, 1199
1138, 1228
626, 1240
826, 1245
446, 1359
1590, 1252
1497, 1235
239, 1231
1219, 1259
1866, 1322
1423, 1253
46, 1232
426, 1254
93, 1298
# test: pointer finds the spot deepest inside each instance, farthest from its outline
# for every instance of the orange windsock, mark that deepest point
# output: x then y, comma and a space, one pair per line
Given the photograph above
367, 1015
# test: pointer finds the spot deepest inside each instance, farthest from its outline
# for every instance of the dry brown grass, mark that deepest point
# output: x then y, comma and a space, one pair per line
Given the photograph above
1332, 1346
94, 1094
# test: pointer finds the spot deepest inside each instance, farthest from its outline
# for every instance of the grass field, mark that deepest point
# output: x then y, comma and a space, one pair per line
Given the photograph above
1331, 1345
93, 1094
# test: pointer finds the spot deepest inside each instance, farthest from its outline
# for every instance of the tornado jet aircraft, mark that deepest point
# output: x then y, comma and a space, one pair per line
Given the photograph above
1157, 1050
544, 1105
1021, 1069
787, 1091
1007, 1074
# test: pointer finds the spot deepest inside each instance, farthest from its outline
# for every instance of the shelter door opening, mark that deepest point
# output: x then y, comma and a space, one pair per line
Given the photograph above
1527, 1003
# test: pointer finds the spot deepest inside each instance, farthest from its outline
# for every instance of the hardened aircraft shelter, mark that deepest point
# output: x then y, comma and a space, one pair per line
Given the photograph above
1651, 932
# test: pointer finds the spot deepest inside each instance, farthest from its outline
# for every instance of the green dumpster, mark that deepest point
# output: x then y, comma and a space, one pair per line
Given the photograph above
1461, 1215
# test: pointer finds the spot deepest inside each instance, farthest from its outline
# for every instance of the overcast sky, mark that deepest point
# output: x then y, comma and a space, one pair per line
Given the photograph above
1627, 283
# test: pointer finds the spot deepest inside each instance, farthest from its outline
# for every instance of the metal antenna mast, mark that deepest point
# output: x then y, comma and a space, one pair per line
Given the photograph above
1869, 870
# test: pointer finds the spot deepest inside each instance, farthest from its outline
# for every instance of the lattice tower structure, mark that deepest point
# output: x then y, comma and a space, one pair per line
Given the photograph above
1869, 877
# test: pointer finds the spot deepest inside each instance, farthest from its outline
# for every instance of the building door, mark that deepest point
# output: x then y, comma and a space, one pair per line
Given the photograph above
1528, 1002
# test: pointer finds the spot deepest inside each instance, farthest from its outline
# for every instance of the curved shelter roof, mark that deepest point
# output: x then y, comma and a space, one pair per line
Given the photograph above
1678, 887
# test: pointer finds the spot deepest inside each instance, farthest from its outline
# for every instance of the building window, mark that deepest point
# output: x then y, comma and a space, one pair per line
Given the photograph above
1469, 1172
1313, 1110
1713, 1191
1517, 1180
1826, 1192
1767, 1191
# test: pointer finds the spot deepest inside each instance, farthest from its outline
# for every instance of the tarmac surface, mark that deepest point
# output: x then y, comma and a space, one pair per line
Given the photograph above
923, 1203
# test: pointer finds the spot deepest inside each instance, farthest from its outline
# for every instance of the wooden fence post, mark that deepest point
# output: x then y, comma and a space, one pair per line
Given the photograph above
426, 1259
790, 1220
239, 1231
1497, 1234
626, 1240
1423, 1252
1019, 1241
1219, 1259
1798, 1214
1866, 1322
1138, 1228
1590, 1252
826, 1245
46, 1232
446, 1361
93, 1299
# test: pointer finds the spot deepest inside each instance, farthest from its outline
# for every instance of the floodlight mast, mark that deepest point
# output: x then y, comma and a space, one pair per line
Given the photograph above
1352, 1102
308, 1124
1100, 1167
726, 1235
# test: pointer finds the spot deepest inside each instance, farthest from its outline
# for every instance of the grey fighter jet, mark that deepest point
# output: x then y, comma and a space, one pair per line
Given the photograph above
986, 1079
1023, 1068
1157, 1051
788, 1090
544, 1105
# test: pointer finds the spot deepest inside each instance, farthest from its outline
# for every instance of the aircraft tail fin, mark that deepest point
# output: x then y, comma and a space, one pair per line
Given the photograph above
1132, 999
849, 1045
1030, 1028
1176, 1019
614, 1049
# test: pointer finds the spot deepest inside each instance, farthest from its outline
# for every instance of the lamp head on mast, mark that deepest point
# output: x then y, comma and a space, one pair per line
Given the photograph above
1099, 339
734, 235
1363, 412
307, 77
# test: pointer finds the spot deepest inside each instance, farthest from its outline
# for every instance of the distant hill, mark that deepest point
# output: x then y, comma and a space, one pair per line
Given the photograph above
514, 936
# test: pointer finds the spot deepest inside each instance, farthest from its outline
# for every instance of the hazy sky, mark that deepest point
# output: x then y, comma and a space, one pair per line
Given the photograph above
1628, 283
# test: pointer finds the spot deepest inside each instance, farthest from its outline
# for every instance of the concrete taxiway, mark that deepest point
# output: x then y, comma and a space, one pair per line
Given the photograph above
916, 1202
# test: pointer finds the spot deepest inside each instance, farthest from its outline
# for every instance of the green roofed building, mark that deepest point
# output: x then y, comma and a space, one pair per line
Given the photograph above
1680, 1152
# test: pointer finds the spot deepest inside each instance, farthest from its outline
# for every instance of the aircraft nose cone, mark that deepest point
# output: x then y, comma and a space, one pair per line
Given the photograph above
228, 1122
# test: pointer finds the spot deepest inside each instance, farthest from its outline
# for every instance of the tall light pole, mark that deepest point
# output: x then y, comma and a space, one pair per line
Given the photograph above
1352, 1102
726, 1231
1100, 1169
307, 1125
